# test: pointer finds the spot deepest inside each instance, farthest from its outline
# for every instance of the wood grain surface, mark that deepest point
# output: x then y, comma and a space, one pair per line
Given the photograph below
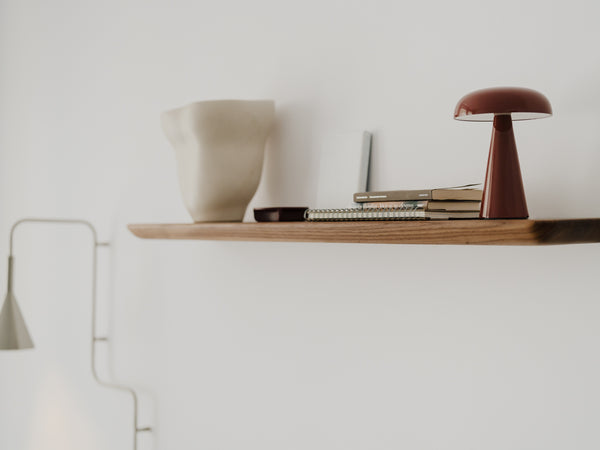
453, 232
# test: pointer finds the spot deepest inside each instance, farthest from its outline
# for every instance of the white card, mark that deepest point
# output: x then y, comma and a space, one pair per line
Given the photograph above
343, 169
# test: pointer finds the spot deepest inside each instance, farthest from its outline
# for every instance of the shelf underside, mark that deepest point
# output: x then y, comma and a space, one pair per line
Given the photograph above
453, 232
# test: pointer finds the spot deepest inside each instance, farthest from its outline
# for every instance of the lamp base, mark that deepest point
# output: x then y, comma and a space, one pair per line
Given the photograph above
503, 194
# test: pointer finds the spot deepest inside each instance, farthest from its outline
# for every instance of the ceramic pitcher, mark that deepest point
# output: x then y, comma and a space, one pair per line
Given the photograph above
219, 146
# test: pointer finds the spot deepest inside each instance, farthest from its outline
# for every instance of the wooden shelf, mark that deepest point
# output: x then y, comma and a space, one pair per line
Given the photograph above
454, 232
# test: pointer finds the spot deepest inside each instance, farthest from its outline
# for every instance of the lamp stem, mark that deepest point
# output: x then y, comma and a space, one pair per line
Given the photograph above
9, 284
503, 194
95, 339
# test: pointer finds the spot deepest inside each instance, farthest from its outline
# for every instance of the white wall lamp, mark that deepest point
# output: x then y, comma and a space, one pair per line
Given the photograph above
13, 331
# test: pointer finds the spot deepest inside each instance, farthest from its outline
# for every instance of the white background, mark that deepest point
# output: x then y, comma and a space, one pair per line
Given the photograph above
266, 346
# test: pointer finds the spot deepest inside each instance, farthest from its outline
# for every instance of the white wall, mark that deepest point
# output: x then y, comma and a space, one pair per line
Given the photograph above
296, 346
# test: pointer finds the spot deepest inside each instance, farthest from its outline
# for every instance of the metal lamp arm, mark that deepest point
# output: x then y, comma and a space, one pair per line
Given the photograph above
95, 339
62, 221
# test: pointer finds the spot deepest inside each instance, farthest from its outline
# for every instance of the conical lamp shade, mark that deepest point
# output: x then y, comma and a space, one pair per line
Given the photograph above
13, 331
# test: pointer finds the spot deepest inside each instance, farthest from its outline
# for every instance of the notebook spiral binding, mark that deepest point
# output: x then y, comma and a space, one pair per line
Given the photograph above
408, 211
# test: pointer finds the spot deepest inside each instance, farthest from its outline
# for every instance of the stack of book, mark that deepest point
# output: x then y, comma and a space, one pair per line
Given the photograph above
447, 203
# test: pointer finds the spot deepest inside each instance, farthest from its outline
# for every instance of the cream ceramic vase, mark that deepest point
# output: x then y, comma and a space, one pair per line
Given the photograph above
220, 148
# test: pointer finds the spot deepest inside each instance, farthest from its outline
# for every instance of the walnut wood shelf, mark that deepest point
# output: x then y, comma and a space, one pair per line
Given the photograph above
453, 232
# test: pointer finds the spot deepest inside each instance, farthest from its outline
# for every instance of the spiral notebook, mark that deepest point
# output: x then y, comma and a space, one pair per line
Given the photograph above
413, 211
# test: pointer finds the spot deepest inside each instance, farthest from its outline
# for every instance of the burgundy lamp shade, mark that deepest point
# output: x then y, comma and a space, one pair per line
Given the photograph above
520, 103
503, 193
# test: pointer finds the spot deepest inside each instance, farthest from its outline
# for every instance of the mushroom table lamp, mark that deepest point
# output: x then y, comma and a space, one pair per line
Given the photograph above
503, 194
